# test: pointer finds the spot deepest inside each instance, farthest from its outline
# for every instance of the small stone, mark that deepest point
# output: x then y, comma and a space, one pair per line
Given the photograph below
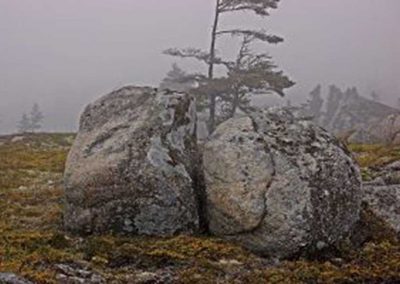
337, 261
145, 277
11, 278
230, 262
17, 139
321, 245
96, 279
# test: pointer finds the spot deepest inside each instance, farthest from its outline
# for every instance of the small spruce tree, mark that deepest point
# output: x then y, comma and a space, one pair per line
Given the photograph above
177, 80
36, 118
24, 125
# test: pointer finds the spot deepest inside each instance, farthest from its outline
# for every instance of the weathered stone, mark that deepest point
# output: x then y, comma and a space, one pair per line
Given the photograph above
279, 185
388, 129
75, 274
133, 166
236, 157
11, 278
369, 228
384, 202
160, 276
386, 175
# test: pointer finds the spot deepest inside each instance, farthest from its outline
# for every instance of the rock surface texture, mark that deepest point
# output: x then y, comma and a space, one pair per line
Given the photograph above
132, 168
279, 185
11, 278
384, 202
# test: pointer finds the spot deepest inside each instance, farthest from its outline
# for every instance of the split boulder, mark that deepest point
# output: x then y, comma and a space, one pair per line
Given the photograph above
279, 185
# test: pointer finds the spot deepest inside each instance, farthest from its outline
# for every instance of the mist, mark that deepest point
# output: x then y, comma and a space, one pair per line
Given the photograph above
64, 54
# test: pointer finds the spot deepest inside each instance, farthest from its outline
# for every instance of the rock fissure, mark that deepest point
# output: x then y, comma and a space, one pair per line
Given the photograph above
310, 181
131, 176
269, 180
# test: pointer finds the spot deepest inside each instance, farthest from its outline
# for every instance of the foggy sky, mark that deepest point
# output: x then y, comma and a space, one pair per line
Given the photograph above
65, 53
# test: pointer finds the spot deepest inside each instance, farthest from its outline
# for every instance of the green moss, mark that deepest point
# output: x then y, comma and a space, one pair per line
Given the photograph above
375, 155
21, 157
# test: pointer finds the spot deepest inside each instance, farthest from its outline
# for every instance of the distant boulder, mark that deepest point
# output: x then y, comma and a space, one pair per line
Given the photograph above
279, 185
382, 195
384, 202
133, 166
388, 129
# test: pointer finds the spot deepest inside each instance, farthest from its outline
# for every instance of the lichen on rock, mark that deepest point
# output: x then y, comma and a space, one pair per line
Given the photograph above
384, 202
132, 167
278, 184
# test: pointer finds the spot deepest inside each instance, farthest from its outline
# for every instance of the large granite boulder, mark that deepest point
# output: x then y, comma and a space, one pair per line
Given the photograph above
279, 185
133, 166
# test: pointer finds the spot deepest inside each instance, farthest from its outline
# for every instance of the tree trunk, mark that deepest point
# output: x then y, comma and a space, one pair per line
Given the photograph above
213, 96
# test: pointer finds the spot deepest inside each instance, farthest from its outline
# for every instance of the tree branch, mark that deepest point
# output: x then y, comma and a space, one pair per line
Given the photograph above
259, 35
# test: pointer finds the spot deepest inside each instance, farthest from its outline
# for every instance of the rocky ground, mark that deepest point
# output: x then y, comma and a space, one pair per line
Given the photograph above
34, 247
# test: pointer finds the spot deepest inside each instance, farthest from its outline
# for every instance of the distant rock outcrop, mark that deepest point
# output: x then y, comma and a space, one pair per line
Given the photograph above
133, 166
279, 185
388, 129
350, 114
349, 110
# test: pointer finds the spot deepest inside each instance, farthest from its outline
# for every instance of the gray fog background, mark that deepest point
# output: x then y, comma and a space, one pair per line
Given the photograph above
65, 53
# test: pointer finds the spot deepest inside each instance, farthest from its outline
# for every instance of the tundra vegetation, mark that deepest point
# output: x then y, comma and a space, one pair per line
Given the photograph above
33, 244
